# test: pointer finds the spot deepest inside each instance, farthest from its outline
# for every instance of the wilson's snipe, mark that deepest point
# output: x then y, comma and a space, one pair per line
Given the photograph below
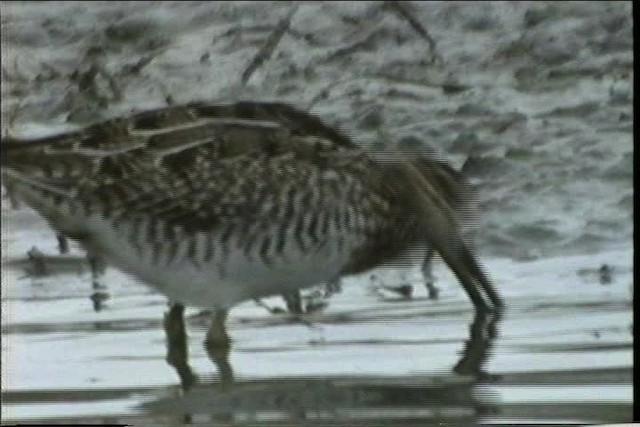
216, 204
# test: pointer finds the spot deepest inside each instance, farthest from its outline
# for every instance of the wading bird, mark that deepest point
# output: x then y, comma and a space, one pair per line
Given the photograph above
214, 204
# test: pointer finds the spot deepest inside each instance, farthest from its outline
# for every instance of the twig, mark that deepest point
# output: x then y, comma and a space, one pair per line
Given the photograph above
324, 92
305, 37
401, 9
135, 68
269, 46
352, 47
448, 87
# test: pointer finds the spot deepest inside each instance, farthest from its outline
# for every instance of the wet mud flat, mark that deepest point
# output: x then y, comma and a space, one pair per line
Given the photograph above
561, 353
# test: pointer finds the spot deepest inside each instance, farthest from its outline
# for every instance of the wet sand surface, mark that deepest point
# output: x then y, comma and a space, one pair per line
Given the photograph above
533, 100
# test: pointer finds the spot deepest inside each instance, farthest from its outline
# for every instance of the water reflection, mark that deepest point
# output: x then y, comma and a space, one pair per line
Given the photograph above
450, 397
482, 333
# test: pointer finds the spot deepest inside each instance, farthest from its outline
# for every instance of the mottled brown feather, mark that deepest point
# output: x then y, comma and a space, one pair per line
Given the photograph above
243, 166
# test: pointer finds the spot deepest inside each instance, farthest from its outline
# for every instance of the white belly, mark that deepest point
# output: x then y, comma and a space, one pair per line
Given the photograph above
228, 277
222, 280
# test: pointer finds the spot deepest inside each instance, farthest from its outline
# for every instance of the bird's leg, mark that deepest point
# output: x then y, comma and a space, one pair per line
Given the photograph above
293, 299
218, 346
427, 274
37, 260
177, 349
63, 244
98, 268
217, 333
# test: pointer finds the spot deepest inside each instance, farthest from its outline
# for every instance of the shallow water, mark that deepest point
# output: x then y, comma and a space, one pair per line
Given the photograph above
533, 99
562, 352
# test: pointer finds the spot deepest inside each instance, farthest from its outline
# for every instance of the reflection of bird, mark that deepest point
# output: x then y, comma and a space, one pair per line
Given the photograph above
296, 397
216, 204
